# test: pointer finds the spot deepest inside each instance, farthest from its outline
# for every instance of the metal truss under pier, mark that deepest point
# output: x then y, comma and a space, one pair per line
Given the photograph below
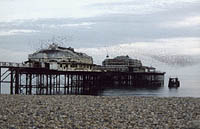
41, 81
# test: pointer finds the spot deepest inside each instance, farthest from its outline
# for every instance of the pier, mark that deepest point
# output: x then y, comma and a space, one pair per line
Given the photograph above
25, 79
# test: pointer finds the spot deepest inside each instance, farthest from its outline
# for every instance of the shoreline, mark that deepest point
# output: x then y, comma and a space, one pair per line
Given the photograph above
74, 111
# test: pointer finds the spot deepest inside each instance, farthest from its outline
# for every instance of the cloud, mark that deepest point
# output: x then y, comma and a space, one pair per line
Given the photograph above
175, 51
36, 9
139, 7
13, 56
186, 22
75, 25
82, 24
16, 32
108, 27
181, 45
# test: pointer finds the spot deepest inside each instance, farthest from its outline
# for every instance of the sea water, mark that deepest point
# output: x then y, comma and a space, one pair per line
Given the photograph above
189, 84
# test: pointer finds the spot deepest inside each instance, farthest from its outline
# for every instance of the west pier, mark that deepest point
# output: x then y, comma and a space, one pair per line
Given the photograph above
42, 81
59, 70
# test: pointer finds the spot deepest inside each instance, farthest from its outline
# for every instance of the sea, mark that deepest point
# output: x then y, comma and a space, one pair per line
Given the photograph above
189, 84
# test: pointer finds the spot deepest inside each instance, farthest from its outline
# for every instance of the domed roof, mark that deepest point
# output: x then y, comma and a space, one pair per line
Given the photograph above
56, 52
122, 60
122, 57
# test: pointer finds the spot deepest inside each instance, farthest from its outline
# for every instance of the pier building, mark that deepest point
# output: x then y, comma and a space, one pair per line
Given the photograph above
61, 59
125, 64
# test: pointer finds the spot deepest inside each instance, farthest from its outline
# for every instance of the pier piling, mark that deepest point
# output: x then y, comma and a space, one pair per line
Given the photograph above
47, 82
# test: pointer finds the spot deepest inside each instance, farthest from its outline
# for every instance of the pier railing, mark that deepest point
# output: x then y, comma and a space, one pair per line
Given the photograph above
13, 64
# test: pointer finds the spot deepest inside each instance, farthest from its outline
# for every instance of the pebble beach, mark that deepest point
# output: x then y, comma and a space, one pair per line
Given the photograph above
98, 112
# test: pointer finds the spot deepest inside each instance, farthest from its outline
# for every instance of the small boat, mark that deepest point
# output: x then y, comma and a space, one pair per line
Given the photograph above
173, 83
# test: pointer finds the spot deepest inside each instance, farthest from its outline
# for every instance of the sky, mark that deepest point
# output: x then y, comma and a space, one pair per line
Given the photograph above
158, 32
